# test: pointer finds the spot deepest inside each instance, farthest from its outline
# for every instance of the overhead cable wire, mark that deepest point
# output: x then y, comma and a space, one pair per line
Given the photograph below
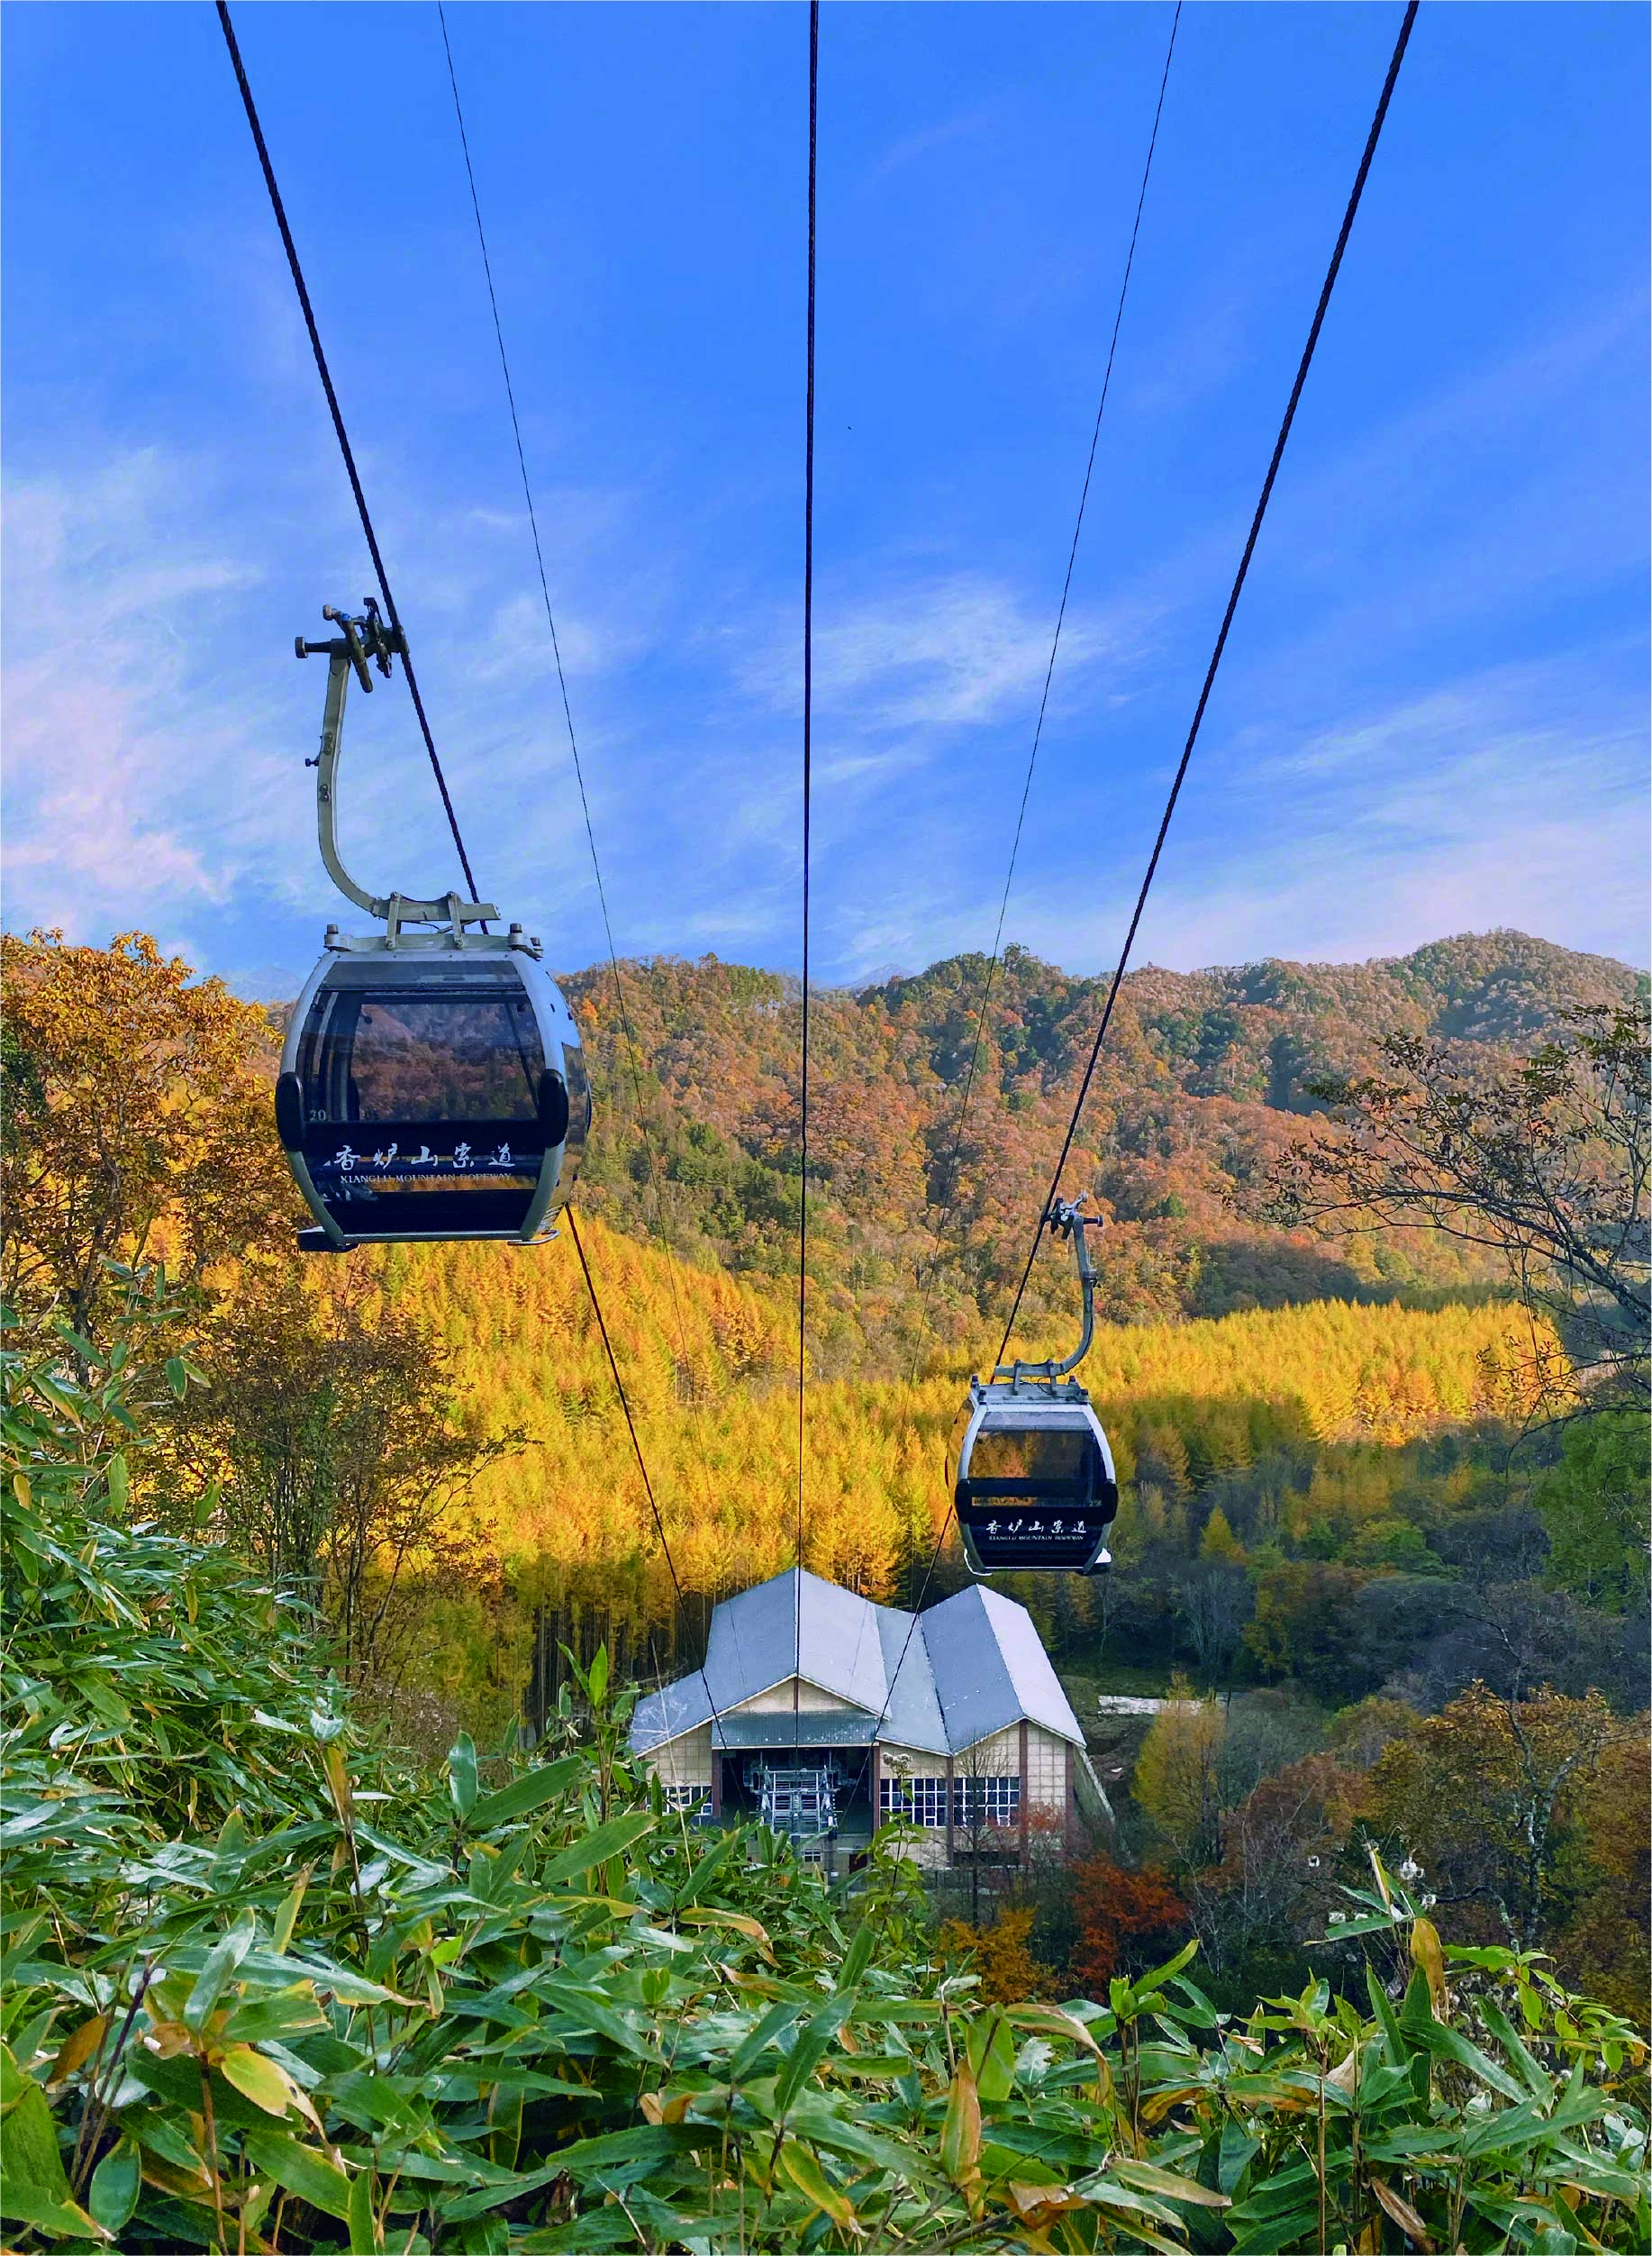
632, 1047
802, 1208
1216, 655
950, 1178
642, 1464
986, 991
1268, 486
391, 612
378, 565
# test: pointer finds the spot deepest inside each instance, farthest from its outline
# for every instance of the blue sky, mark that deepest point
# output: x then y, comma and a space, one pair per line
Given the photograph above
1432, 714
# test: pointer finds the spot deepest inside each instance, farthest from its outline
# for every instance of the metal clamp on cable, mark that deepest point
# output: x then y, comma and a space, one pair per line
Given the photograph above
359, 640
1063, 1218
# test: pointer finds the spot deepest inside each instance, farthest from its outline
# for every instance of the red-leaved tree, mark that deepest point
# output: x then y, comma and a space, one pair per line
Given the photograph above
1127, 1921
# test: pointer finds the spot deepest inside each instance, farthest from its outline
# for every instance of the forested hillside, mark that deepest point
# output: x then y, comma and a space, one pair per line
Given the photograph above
268, 1987
295, 1965
452, 1410
708, 1367
1199, 1091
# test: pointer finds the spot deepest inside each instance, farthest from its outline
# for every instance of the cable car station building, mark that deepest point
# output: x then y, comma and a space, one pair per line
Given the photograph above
828, 1715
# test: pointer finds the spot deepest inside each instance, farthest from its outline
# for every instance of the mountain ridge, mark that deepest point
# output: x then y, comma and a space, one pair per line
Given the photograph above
1198, 1092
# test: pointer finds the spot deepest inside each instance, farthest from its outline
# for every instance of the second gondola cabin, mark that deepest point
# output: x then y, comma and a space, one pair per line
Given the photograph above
1032, 1479
1031, 1470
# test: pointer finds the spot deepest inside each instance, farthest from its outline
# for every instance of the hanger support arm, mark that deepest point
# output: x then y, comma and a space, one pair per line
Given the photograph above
360, 643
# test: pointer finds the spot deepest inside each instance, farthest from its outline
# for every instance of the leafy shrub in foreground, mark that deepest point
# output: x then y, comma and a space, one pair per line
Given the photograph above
323, 2005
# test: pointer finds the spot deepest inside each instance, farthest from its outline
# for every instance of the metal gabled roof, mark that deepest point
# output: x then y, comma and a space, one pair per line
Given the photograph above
797, 1624
991, 1669
669, 1714
914, 1718
970, 1666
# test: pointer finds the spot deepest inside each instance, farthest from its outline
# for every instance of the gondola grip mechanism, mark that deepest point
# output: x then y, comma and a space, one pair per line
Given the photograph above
1066, 1219
362, 643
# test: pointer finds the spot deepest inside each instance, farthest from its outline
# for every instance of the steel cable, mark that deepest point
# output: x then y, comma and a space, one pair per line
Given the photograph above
1221, 643
1273, 469
986, 991
950, 1178
279, 210
391, 612
632, 1047
642, 1465
802, 1208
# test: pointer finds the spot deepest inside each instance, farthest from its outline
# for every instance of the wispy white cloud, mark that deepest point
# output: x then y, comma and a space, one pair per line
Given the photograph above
945, 654
909, 148
1512, 797
152, 751
96, 789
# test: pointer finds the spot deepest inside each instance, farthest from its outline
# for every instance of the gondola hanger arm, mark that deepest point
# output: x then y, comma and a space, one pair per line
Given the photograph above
1065, 1218
361, 644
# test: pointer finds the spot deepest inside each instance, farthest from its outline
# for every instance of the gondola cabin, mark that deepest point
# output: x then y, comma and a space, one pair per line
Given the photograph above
433, 1092
432, 1085
1032, 1479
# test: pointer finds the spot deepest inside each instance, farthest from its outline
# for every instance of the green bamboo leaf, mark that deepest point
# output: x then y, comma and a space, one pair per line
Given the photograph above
1147, 2178
773, 2026
78, 1340
1578, 2104
1541, 2087
814, 2043
612, 1840
707, 1868
525, 1793
616, 2157
858, 1956
257, 2077
1112, 2194
115, 1480
992, 2058
462, 1775
178, 2081
1236, 2149
287, 1917
32, 2165
1358, 1923
585, 2011
1068, 2149
373, 2103
160, 2136
811, 2181
305, 2170
960, 2132
222, 1961
1449, 2044
281, 2013
59, 2220
1399, 2052
59, 1398
831, 2119
365, 2237
1294, 2229
1148, 1983
117, 2183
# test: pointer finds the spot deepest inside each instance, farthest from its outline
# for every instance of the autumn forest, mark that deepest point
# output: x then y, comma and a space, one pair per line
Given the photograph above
1370, 1361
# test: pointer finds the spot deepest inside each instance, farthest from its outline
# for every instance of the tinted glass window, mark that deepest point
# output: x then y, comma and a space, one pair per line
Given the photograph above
423, 1055
1034, 1453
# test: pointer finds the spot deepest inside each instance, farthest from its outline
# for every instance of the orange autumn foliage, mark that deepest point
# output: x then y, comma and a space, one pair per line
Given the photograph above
1001, 1955
1127, 1921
